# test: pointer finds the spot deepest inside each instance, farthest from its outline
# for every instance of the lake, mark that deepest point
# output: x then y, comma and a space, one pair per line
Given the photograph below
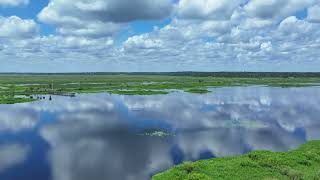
103, 136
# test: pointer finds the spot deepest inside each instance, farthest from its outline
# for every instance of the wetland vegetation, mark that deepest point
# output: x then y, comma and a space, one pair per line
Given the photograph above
12, 85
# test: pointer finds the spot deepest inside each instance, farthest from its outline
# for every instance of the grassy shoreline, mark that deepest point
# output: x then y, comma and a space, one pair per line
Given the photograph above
139, 92
303, 163
15, 100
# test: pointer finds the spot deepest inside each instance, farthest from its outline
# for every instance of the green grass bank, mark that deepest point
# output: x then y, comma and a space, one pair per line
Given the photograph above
303, 163
15, 100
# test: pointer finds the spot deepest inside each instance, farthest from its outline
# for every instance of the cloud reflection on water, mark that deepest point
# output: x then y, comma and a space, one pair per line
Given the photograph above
95, 136
12, 154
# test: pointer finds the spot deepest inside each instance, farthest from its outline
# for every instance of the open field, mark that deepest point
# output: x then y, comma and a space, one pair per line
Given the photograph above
302, 163
142, 84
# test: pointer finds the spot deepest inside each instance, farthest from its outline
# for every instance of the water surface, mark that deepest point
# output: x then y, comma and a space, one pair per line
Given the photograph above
102, 136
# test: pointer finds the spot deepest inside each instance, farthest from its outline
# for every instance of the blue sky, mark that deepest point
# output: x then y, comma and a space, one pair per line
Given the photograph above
159, 35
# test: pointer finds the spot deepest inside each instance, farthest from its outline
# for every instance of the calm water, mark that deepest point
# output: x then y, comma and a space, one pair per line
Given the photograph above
102, 136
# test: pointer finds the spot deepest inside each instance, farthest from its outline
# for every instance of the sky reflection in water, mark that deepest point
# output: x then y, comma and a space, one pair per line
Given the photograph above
98, 136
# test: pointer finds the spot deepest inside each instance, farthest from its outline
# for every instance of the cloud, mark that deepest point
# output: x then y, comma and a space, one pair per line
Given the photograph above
195, 29
267, 46
101, 17
7, 3
276, 9
75, 43
143, 42
314, 14
207, 9
15, 27
292, 25
255, 23
92, 29
204, 35
52, 52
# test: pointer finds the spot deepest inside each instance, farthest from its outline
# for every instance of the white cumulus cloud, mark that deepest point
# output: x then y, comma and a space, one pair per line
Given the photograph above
101, 17
15, 27
13, 2
207, 9
314, 14
205, 35
276, 9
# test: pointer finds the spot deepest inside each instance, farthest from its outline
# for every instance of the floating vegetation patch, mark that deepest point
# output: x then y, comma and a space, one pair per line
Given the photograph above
157, 133
198, 91
138, 92
246, 124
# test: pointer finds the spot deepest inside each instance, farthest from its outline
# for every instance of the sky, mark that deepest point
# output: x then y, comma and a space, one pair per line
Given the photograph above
159, 35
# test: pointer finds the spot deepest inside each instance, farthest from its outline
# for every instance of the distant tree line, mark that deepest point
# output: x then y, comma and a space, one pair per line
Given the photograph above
196, 74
